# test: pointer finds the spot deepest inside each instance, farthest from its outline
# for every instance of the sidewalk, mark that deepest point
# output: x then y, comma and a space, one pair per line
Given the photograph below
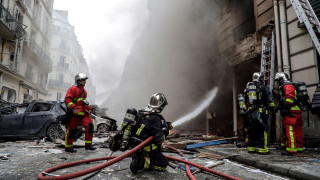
305, 165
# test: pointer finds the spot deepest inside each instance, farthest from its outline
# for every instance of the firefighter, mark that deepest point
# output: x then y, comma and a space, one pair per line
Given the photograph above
151, 123
260, 104
291, 114
75, 100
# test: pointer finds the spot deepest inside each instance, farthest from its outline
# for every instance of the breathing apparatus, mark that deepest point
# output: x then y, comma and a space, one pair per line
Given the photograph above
242, 104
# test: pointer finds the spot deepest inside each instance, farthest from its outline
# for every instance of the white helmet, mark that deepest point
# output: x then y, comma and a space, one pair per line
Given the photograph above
79, 77
281, 77
256, 76
157, 102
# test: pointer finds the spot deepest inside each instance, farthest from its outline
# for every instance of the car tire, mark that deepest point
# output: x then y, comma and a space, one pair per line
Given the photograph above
55, 132
102, 128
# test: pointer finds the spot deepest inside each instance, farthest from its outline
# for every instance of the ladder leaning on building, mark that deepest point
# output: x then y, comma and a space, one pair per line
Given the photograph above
305, 11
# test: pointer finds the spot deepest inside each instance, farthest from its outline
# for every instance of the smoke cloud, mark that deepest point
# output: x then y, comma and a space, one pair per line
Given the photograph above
177, 55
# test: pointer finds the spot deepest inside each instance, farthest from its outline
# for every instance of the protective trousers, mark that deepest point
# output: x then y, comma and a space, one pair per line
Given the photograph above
72, 126
299, 135
293, 133
153, 158
258, 139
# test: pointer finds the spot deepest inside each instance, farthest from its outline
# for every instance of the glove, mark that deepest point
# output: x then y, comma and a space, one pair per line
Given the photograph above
284, 112
165, 131
75, 112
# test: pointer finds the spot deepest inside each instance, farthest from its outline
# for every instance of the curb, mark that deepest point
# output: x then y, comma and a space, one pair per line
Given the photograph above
267, 167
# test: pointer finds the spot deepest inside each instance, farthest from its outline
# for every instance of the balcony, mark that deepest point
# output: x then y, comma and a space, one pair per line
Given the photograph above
62, 31
43, 56
9, 26
62, 65
59, 84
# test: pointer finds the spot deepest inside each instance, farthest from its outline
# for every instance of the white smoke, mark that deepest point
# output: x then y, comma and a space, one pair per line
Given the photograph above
209, 98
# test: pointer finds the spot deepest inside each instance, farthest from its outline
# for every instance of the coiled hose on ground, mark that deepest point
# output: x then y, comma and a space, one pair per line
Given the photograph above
115, 159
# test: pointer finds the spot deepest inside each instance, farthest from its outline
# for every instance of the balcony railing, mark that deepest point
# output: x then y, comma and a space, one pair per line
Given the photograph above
39, 52
60, 84
11, 22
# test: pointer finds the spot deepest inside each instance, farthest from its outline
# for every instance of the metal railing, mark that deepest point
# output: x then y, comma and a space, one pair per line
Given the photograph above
11, 22
38, 51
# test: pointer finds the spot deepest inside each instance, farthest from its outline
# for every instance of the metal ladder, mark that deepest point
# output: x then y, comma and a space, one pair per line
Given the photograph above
306, 15
267, 60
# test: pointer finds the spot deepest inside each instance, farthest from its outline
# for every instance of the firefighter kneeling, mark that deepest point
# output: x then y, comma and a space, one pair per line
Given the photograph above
141, 125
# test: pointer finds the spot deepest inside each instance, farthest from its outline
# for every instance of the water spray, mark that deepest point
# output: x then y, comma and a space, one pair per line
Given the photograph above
209, 98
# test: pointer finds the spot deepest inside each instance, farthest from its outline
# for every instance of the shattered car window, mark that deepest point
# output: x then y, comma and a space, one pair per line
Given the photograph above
21, 109
41, 107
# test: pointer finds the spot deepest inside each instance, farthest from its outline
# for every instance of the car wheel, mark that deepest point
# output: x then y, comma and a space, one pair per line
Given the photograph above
102, 128
55, 132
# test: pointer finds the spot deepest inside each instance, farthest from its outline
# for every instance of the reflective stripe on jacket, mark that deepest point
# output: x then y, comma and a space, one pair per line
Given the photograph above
290, 94
74, 98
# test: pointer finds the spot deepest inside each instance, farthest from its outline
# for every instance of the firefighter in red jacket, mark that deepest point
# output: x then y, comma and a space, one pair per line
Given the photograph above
81, 113
291, 113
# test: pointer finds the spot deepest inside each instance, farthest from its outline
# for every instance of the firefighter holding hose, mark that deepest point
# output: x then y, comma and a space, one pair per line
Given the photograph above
151, 123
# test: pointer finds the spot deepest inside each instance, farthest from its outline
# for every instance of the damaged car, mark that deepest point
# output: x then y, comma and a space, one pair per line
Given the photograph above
44, 119
34, 119
103, 124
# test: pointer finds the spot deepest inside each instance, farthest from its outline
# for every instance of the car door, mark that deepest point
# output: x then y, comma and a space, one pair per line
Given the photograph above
11, 125
36, 118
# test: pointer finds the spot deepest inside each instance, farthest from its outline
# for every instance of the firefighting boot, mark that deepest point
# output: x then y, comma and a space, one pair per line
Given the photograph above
136, 163
72, 150
286, 153
90, 148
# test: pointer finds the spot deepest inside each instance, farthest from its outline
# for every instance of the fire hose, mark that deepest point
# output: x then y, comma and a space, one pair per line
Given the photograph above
114, 160
187, 166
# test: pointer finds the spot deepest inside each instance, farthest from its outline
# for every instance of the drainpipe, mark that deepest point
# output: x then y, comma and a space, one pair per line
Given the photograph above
277, 29
234, 97
284, 37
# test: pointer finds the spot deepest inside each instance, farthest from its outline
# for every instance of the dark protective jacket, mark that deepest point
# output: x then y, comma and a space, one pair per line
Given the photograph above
74, 99
264, 97
263, 103
152, 124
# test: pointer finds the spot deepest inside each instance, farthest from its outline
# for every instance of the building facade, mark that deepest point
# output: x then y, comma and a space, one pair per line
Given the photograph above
25, 31
242, 26
68, 60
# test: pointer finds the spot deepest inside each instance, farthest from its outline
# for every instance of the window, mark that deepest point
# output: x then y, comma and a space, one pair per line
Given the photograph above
11, 65
8, 94
41, 107
29, 74
59, 96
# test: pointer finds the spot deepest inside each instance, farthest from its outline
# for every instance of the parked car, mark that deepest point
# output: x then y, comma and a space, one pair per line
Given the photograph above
34, 119
43, 119
103, 124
